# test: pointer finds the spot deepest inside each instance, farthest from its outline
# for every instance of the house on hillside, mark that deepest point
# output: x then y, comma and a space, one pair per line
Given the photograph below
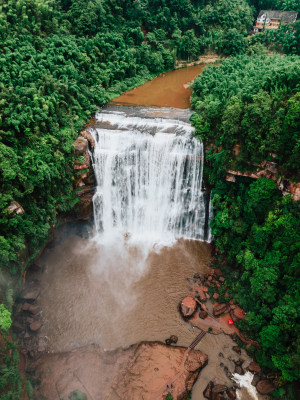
271, 19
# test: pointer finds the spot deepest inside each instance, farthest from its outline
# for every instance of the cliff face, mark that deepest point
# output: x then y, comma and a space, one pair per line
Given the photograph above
269, 170
84, 176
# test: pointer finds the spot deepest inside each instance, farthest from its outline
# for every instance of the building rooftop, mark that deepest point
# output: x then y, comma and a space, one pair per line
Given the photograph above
283, 16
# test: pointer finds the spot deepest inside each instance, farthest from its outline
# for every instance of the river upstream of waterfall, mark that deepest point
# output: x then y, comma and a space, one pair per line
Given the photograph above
121, 281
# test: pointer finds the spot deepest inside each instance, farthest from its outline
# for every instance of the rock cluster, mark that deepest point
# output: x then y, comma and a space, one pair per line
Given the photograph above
141, 371
218, 392
269, 169
28, 322
84, 174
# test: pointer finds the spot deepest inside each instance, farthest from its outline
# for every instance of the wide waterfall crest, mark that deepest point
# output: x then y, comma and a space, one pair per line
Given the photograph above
149, 178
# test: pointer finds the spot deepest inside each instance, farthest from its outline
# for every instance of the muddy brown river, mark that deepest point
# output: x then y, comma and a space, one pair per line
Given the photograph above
166, 90
115, 297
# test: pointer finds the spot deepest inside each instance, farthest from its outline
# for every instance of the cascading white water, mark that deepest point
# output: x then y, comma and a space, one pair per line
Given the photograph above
149, 178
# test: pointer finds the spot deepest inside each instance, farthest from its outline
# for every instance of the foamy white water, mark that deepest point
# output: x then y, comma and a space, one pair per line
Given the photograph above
149, 179
245, 381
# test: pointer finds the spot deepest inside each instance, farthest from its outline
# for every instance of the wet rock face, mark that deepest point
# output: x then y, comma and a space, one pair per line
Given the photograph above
140, 372
84, 176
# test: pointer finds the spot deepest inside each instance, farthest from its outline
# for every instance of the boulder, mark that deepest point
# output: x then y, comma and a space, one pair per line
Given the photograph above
188, 306
231, 394
15, 208
254, 367
239, 362
32, 308
237, 349
239, 370
220, 309
31, 293
217, 392
81, 146
208, 389
194, 360
173, 339
265, 387
255, 380
216, 296
89, 137
35, 326
236, 312
203, 314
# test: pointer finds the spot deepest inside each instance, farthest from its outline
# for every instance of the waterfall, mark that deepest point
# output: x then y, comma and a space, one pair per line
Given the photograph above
149, 175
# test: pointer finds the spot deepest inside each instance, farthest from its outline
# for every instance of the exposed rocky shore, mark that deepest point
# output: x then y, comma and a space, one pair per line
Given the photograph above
138, 372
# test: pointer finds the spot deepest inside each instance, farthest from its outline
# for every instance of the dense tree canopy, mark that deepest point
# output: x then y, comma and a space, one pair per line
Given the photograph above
254, 103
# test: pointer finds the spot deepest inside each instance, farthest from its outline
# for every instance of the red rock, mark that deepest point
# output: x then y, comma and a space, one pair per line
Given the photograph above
15, 208
239, 370
217, 392
81, 146
218, 272
31, 293
32, 308
207, 391
188, 306
231, 394
203, 314
254, 367
194, 360
222, 279
35, 326
202, 294
255, 380
237, 312
237, 349
219, 389
219, 309
89, 137
216, 296
265, 387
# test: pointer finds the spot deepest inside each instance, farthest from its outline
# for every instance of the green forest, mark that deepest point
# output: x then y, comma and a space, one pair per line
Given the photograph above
254, 102
60, 60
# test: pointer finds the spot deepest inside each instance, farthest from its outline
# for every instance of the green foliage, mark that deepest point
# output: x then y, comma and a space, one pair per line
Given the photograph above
5, 318
60, 61
264, 256
10, 379
252, 102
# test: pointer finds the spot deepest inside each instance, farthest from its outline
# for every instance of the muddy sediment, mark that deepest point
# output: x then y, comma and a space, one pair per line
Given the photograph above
170, 89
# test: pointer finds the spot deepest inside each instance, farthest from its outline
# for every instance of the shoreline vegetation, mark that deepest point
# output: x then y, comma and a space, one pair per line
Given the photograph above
62, 59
